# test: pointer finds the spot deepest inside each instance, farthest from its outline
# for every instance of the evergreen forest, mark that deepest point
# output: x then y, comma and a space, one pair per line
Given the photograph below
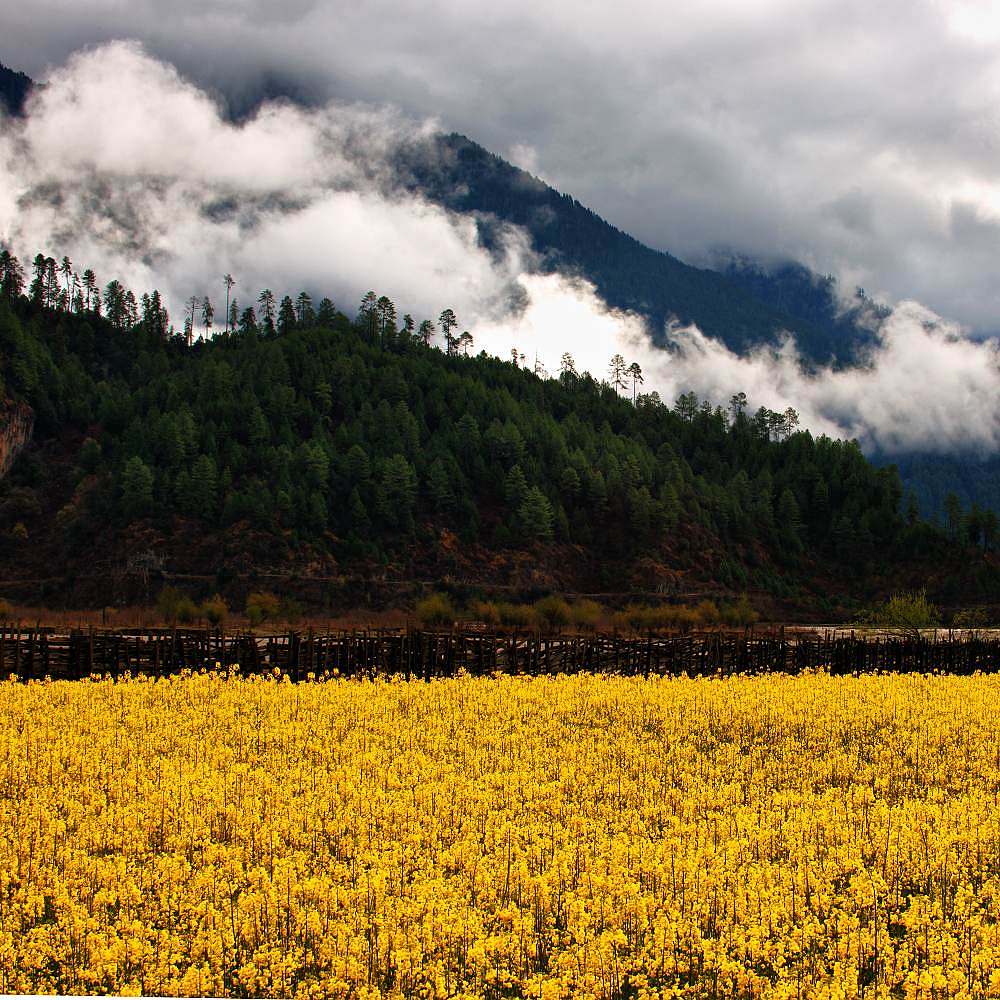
304, 439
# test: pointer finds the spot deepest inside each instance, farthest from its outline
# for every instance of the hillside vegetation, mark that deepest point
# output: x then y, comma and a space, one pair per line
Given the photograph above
308, 443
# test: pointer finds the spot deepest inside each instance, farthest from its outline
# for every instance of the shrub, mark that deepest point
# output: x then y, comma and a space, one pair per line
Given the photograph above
586, 614
167, 602
262, 606
516, 615
631, 618
186, 611
215, 610
552, 613
706, 613
486, 612
435, 611
739, 613
907, 609
971, 618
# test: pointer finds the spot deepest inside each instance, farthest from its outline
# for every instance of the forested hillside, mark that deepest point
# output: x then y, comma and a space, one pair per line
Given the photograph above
306, 442
14, 89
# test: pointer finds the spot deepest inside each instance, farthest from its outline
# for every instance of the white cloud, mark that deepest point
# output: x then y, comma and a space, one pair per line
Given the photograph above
131, 169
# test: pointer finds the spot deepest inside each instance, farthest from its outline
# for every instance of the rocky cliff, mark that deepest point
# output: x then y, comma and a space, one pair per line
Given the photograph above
17, 420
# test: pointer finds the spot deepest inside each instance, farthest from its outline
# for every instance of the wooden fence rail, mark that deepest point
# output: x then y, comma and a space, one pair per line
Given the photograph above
40, 652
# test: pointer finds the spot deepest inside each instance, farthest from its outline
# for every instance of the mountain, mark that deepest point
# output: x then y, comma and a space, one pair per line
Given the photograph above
740, 301
339, 457
972, 478
14, 89
742, 306
739, 307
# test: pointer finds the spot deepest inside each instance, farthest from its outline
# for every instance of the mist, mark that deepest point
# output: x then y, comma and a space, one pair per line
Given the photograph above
131, 169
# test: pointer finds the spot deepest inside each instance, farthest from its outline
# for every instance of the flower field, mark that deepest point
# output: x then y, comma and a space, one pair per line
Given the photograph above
586, 836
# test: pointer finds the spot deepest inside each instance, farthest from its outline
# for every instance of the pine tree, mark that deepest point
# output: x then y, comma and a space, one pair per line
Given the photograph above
439, 487
229, 282
619, 372
448, 322
286, 316
136, 489
535, 516
327, 314
635, 374
305, 315
11, 276
266, 303
207, 315
248, 321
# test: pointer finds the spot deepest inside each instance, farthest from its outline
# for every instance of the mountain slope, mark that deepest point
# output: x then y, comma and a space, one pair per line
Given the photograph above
335, 449
14, 89
463, 176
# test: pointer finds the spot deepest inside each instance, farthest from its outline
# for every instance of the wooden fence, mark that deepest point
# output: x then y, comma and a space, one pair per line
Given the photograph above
40, 652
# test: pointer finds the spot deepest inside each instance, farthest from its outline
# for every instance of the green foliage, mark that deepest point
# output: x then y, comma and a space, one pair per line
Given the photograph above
167, 602
435, 611
971, 618
552, 613
586, 614
215, 610
262, 606
739, 614
136, 489
516, 615
359, 444
908, 609
535, 516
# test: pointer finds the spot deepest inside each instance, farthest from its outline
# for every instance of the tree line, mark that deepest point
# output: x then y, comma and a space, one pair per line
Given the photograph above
348, 435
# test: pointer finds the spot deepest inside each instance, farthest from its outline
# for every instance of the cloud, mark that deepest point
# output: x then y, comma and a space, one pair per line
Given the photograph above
924, 385
841, 133
130, 168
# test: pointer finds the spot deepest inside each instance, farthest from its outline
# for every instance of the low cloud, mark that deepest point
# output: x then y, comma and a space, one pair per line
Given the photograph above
859, 138
923, 386
131, 169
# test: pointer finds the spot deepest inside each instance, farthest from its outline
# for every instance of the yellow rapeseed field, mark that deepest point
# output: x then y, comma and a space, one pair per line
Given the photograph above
586, 836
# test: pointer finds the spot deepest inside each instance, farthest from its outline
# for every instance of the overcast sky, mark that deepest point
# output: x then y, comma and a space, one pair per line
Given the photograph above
860, 138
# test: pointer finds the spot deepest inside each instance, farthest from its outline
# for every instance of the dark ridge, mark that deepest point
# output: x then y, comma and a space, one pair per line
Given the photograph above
14, 90
463, 176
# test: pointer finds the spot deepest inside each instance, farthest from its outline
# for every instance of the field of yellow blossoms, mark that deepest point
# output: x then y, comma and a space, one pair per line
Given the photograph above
586, 836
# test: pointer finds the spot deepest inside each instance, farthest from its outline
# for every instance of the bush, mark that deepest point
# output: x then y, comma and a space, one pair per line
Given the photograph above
552, 613
167, 602
262, 606
215, 610
586, 614
486, 612
290, 610
971, 618
707, 613
6, 610
435, 611
633, 617
516, 615
908, 609
739, 614
187, 611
